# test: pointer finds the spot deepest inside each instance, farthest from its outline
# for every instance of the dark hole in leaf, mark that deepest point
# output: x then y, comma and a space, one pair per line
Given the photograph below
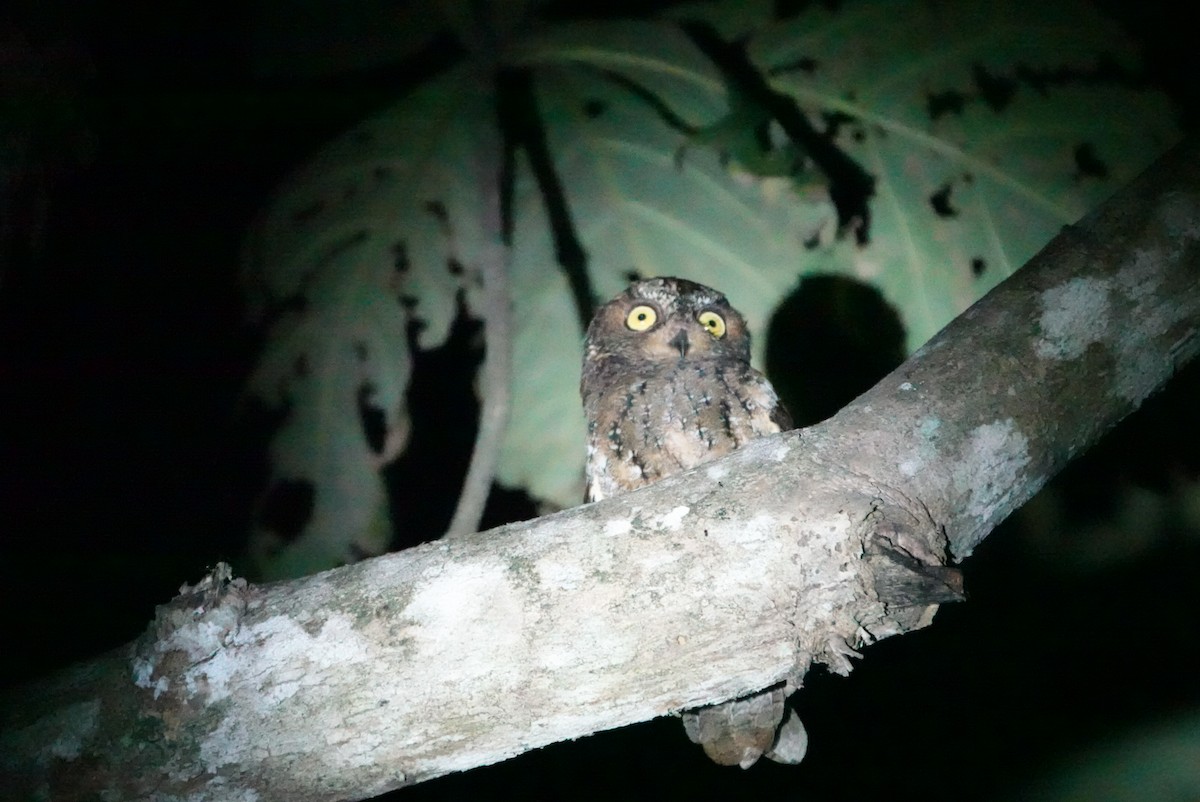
1107, 71
287, 507
438, 210
1037, 79
828, 341
996, 90
371, 417
940, 201
423, 483
400, 263
813, 241
633, 275
594, 108
1088, 162
454, 266
978, 266
949, 102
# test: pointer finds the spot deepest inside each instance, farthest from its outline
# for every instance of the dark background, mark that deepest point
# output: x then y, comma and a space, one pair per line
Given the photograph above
126, 468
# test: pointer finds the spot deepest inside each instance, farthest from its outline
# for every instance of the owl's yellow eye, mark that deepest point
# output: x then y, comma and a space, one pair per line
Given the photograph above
714, 323
642, 317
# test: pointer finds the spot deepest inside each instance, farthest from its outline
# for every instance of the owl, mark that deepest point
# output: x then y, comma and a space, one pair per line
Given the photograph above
667, 385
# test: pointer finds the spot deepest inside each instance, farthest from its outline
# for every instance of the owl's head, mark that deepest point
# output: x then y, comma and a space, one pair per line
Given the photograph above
668, 320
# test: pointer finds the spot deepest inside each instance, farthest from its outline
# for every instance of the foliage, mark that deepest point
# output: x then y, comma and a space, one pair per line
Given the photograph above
982, 128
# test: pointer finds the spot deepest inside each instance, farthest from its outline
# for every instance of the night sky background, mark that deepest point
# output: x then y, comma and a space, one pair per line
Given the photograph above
129, 462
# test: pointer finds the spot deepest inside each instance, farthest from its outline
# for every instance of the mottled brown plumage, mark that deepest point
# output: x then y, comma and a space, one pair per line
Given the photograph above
673, 396
667, 384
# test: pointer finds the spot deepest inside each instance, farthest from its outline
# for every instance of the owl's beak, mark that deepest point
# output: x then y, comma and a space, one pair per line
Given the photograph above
680, 343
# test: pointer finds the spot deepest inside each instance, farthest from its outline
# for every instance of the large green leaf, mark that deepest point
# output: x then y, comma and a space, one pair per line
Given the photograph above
643, 132
994, 107
386, 214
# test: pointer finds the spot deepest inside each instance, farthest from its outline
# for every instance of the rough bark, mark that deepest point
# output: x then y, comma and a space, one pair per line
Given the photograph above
703, 587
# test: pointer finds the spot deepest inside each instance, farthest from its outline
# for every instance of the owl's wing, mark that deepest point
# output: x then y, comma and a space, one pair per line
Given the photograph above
769, 411
738, 732
781, 418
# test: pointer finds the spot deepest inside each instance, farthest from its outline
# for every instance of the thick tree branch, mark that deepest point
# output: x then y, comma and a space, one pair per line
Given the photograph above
699, 588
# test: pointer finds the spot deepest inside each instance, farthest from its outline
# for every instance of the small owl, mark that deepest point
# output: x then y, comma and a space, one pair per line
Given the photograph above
667, 384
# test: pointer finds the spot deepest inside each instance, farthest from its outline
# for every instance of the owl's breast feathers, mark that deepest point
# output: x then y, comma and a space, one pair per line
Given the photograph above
646, 423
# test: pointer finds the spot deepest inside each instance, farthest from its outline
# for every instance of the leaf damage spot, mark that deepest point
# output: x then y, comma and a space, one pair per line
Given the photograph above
1088, 163
372, 418
401, 263
940, 201
948, 102
438, 211
995, 89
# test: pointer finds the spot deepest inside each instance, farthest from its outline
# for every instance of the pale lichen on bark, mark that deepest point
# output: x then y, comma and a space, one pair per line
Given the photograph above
988, 469
1074, 315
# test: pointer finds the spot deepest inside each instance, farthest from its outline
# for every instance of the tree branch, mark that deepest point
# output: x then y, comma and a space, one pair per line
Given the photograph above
700, 588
